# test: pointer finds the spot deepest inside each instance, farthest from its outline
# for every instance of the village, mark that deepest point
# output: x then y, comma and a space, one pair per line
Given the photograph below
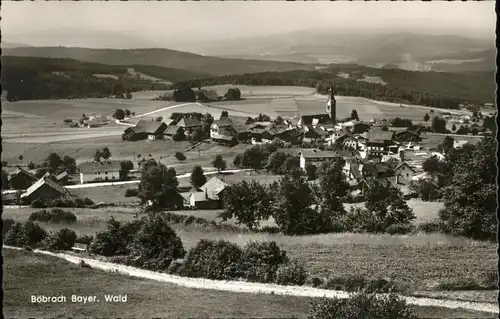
372, 151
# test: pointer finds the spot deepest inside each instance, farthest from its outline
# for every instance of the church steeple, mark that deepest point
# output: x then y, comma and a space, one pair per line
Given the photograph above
331, 105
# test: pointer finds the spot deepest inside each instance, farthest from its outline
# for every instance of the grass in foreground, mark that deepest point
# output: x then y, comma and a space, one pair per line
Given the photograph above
33, 274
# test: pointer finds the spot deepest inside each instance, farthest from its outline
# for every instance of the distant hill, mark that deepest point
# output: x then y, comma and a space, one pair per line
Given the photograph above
402, 49
27, 78
9, 45
195, 63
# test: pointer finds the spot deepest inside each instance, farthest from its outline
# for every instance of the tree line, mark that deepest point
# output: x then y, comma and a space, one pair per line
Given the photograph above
404, 86
39, 78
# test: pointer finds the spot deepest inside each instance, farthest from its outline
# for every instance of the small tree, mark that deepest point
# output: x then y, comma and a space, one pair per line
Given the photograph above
128, 95
233, 94
159, 185
69, 164
33, 233
453, 127
426, 117
31, 165
14, 236
159, 119
439, 125
119, 114
224, 115
354, 115
127, 111
54, 161
179, 135
21, 157
219, 163
197, 135
198, 177
97, 156
311, 171
105, 153
180, 156
237, 160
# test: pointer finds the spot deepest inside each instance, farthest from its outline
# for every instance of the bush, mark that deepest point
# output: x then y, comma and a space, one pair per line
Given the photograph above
260, 261
14, 236
174, 267
131, 192
362, 305
33, 234
55, 216
115, 240
64, 239
358, 283
314, 282
400, 229
7, 223
38, 203
213, 260
291, 273
434, 226
155, 243
84, 239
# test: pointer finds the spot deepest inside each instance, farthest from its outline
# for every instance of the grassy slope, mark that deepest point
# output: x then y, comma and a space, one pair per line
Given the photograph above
48, 64
160, 57
146, 298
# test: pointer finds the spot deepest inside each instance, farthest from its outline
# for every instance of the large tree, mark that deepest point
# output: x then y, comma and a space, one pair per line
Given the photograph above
293, 206
106, 153
354, 115
471, 198
439, 125
197, 178
248, 202
54, 161
159, 185
332, 188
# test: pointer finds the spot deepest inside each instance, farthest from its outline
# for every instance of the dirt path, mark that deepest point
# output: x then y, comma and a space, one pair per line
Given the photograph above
238, 286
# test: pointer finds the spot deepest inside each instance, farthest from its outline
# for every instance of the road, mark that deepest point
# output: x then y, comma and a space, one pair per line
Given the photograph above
137, 181
256, 288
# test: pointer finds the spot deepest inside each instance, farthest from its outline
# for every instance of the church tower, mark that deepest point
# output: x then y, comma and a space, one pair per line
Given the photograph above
331, 105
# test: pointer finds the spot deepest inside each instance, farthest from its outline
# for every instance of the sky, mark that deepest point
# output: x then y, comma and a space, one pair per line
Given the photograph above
58, 23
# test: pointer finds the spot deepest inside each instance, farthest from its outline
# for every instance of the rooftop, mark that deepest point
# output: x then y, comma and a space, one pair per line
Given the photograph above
188, 122
149, 127
315, 153
45, 181
103, 166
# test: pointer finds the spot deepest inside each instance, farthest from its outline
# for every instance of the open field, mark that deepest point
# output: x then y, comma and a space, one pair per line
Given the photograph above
146, 298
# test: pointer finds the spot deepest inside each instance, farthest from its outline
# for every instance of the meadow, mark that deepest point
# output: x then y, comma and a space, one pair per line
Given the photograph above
146, 298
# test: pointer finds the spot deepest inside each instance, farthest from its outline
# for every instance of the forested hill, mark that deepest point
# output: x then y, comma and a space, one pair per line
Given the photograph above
196, 63
437, 89
26, 78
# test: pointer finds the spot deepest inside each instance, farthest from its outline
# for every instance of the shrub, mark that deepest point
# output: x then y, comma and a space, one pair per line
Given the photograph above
260, 261
174, 267
14, 236
362, 305
38, 203
33, 234
115, 239
291, 273
64, 239
213, 260
400, 229
155, 243
31, 165
55, 216
357, 283
434, 226
314, 282
84, 239
7, 223
131, 192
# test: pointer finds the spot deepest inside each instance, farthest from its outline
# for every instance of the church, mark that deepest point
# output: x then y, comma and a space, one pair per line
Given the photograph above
314, 118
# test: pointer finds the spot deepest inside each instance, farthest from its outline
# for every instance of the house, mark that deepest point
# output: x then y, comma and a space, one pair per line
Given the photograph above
99, 171
146, 130
209, 196
273, 132
315, 157
380, 143
45, 189
404, 173
21, 179
409, 135
459, 143
224, 139
96, 121
371, 170
314, 134
218, 127
172, 131
189, 124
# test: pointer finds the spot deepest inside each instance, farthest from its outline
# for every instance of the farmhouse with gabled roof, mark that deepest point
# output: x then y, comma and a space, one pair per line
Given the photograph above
99, 171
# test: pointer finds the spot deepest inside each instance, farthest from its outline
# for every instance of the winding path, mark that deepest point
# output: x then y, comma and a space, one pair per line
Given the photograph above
256, 288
